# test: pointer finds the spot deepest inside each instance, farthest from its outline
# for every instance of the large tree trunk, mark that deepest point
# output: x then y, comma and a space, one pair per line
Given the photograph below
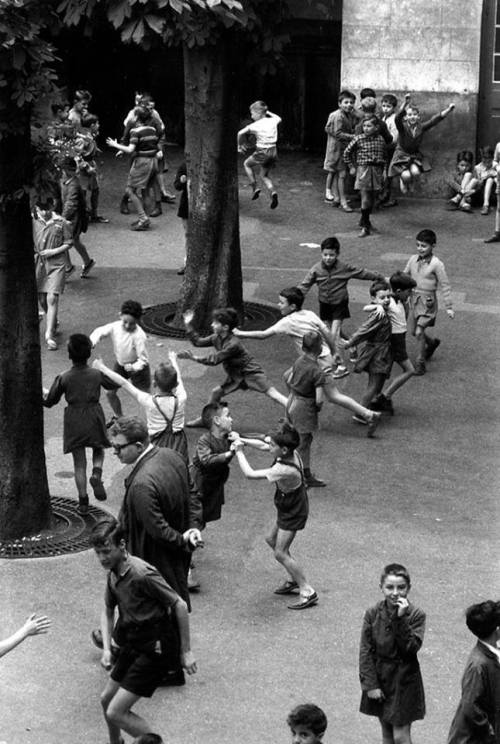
24, 493
213, 273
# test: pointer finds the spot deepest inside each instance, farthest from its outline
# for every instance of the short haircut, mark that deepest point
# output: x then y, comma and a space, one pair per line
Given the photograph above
132, 427
286, 436
210, 411
56, 107
466, 156
309, 716
378, 286
105, 530
227, 316
131, 307
259, 106
79, 347
89, 119
83, 95
390, 99
412, 107
165, 377
482, 619
427, 236
402, 281
148, 739
331, 244
312, 341
370, 117
346, 94
395, 569
367, 93
294, 296
486, 151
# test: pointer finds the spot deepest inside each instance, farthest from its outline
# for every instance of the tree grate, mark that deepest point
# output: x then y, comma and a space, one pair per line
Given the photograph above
158, 319
69, 533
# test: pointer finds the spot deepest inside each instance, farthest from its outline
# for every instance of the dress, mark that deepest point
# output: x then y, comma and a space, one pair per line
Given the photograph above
340, 130
388, 661
84, 423
375, 353
51, 270
210, 471
407, 149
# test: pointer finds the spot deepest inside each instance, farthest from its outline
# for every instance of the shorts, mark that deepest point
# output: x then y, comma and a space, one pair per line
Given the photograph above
424, 309
337, 311
293, 509
140, 379
302, 413
398, 347
139, 670
369, 177
253, 381
327, 366
265, 158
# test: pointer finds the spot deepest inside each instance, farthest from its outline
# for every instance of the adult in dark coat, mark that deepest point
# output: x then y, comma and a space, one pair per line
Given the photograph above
477, 720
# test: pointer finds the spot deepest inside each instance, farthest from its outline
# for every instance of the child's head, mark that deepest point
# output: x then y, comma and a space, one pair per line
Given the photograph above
79, 348
130, 314
60, 111
426, 240
290, 299
388, 104
312, 343
330, 249
368, 99
486, 154
307, 724
395, 582
216, 416
412, 115
370, 124
165, 377
401, 284
380, 293
284, 441
258, 109
108, 540
465, 161
91, 121
224, 319
148, 739
346, 100
483, 619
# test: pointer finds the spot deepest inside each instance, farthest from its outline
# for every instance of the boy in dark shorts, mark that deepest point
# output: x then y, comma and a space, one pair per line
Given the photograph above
144, 632
242, 370
264, 128
307, 723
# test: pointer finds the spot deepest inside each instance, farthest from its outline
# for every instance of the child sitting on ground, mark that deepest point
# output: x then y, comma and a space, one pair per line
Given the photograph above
462, 184
339, 129
485, 175
265, 128
307, 724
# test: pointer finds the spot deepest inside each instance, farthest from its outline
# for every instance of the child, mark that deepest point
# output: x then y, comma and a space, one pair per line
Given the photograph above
375, 354
241, 368
340, 130
291, 503
429, 273
485, 174
74, 210
495, 238
33, 626
388, 105
265, 129
477, 718
462, 183
389, 672
408, 162
295, 323
307, 724
87, 151
129, 346
366, 154
84, 424
181, 184
305, 381
164, 409
401, 287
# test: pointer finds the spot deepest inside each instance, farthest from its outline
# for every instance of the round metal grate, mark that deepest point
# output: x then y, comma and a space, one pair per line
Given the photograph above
69, 533
157, 319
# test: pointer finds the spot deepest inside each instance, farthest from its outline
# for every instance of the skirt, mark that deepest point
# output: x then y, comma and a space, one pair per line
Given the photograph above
369, 177
175, 440
302, 413
84, 426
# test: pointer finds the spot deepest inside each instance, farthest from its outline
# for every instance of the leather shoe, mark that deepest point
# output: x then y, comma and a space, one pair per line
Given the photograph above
305, 602
287, 587
494, 238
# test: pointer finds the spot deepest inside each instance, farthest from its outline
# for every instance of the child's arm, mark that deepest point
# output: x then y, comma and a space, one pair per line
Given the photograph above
367, 668
320, 397
246, 468
434, 120
239, 137
307, 282
107, 622
364, 331
100, 333
188, 661
409, 629
350, 152
54, 395
270, 115
142, 354
267, 333
330, 124
259, 444
193, 336
33, 626
119, 380
445, 286
129, 149
209, 458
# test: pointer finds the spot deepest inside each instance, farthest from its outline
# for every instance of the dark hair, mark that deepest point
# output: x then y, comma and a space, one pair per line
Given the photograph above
346, 94
486, 151
56, 107
312, 341
294, 296
309, 716
370, 117
331, 244
106, 529
83, 95
131, 307
132, 427
79, 347
148, 739
210, 411
227, 316
367, 93
286, 436
165, 377
389, 98
426, 236
142, 114
89, 119
395, 569
377, 286
465, 155
68, 163
402, 281
482, 619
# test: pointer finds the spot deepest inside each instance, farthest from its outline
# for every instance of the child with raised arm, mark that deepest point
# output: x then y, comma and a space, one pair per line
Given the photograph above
339, 129
307, 724
34, 625
389, 672
291, 503
242, 370
264, 127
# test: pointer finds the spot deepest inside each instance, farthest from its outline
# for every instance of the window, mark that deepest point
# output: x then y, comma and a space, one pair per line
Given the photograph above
496, 48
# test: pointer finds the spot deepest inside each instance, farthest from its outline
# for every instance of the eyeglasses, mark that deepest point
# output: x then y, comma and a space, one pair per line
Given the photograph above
119, 447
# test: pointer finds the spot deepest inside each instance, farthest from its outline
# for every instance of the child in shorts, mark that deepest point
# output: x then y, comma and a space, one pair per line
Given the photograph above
388, 105
339, 129
242, 370
264, 127
307, 724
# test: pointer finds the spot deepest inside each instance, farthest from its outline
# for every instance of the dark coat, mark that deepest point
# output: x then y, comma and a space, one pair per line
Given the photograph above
477, 720
74, 208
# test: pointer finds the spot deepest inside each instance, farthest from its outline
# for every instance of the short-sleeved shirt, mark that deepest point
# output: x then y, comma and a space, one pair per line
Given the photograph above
306, 377
129, 346
167, 404
286, 477
300, 322
265, 131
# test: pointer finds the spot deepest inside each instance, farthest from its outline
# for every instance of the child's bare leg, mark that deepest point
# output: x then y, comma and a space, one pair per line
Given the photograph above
270, 187
341, 188
80, 465
42, 301
52, 307
399, 381
329, 186
334, 395
336, 187
284, 539
114, 402
272, 535
404, 180
387, 737
401, 734
250, 170
375, 385
107, 696
488, 186
135, 197
120, 715
277, 396
304, 450
415, 174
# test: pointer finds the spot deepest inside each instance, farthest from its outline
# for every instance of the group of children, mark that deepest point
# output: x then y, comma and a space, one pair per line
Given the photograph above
474, 185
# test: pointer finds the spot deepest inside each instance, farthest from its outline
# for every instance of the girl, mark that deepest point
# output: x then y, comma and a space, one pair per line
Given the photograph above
485, 175
389, 672
84, 424
462, 183
291, 502
408, 162
340, 131
164, 409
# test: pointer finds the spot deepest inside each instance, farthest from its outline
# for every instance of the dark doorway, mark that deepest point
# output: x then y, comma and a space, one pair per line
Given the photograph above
488, 125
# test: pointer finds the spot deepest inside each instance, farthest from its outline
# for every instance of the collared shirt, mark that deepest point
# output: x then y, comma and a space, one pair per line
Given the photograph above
429, 273
229, 351
332, 281
366, 149
493, 649
265, 131
397, 315
51, 233
129, 346
300, 322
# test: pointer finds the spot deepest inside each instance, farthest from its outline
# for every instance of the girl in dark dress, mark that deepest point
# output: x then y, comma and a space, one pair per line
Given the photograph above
84, 424
389, 672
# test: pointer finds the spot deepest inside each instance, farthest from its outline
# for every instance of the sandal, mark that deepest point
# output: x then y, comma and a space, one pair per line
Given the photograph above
288, 587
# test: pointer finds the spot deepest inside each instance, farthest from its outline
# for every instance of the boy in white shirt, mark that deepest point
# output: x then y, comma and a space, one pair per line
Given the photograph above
265, 129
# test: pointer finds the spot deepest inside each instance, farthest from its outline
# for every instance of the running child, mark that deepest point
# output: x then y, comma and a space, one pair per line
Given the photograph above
408, 162
74, 210
84, 424
429, 273
485, 175
339, 129
130, 349
164, 409
296, 322
264, 127
291, 503
389, 672
307, 724
462, 183
242, 370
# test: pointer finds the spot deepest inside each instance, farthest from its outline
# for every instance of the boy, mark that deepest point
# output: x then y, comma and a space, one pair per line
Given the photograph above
429, 272
388, 105
340, 130
295, 323
144, 632
307, 724
265, 128
241, 368
87, 151
74, 210
129, 346
477, 719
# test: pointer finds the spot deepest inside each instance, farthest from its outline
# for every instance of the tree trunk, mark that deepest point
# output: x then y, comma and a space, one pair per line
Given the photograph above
24, 493
213, 273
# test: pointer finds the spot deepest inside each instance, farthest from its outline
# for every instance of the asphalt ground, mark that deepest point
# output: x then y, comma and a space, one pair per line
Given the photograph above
424, 492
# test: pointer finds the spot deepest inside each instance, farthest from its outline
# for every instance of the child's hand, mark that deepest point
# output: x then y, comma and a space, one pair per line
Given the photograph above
98, 364
188, 662
233, 436
341, 342
376, 694
237, 446
407, 97
172, 356
111, 142
450, 313
128, 367
451, 106
402, 605
185, 354
45, 391
119, 154
352, 171
236, 332
193, 537
35, 625
242, 149
106, 660
183, 179
188, 317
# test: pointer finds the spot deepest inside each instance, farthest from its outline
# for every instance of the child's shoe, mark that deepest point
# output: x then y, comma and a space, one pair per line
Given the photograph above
485, 209
375, 420
140, 225
495, 238
157, 210
364, 232
124, 205
360, 420
256, 192
345, 207
383, 404
83, 506
431, 347
87, 269
274, 200
312, 482
51, 343
420, 367
98, 487
329, 196
340, 372
465, 207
